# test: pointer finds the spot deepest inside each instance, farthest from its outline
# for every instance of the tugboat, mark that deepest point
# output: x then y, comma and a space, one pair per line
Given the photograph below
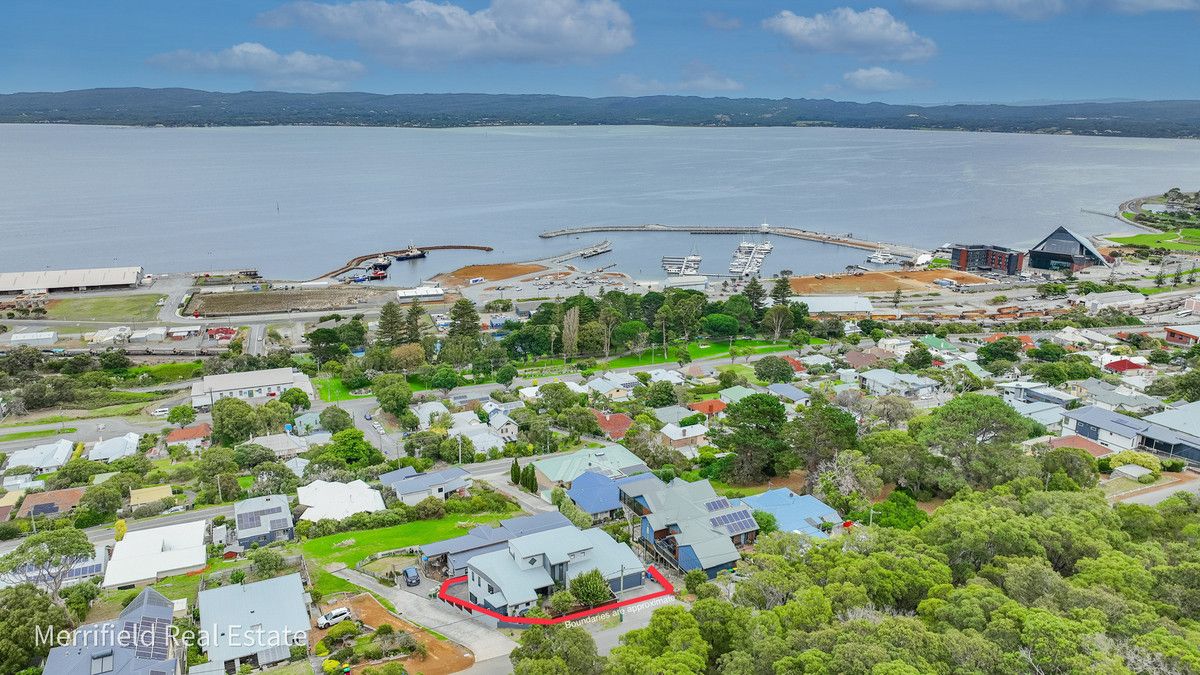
381, 263
377, 274
410, 253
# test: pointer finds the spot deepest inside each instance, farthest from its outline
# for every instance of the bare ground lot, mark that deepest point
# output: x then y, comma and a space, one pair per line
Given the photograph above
915, 280
444, 656
463, 275
271, 302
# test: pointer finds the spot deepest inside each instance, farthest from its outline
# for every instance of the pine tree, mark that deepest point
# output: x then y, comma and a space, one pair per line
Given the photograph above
514, 473
412, 322
756, 294
529, 478
391, 331
781, 291
571, 333
464, 320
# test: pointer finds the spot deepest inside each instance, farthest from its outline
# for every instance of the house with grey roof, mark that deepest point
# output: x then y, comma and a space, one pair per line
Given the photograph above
309, 422
450, 557
1108, 428
492, 407
427, 411
735, 393
285, 446
881, 382
44, 458
420, 486
503, 426
611, 460
1116, 396
685, 439
689, 525
672, 414
1049, 415
511, 581
114, 448
788, 393
614, 386
255, 624
263, 520
297, 465
138, 642
1027, 391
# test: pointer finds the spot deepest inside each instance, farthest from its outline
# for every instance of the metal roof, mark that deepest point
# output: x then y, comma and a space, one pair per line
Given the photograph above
262, 515
15, 282
612, 459
233, 614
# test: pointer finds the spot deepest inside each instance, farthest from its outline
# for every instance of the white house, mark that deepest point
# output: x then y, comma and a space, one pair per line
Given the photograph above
427, 411
336, 501
146, 556
1108, 428
44, 458
503, 426
256, 384
114, 448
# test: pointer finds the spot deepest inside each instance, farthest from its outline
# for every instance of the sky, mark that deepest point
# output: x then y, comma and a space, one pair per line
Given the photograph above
903, 51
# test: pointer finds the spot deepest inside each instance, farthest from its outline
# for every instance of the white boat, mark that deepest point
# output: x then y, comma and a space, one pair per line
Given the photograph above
882, 258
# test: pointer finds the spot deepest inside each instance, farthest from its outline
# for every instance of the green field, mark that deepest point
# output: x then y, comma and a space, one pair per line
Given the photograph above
142, 307
42, 433
163, 372
331, 390
119, 410
325, 550
1189, 240
699, 350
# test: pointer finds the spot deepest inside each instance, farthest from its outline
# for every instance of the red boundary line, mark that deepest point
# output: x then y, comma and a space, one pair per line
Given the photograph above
444, 594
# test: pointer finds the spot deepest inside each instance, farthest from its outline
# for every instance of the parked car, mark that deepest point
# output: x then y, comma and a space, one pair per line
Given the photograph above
161, 412
412, 577
332, 617
366, 416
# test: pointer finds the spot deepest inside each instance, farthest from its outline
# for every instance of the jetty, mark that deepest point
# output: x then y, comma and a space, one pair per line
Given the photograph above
359, 261
901, 250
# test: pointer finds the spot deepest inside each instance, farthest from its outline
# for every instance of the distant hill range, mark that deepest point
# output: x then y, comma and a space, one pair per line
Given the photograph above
189, 107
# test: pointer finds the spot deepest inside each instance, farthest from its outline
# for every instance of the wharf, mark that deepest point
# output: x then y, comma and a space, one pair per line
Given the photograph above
790, 232
358, 261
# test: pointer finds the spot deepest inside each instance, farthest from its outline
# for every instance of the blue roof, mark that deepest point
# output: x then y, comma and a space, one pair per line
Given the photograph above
787, 391
595, 493
398, 475
793, 512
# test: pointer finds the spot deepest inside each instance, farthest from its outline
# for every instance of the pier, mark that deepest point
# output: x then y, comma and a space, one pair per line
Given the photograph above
790, 232
357, 262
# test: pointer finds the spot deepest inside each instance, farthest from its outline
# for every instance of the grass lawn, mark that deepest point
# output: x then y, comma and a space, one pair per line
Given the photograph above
1189, 240
246, 482
742, 370
298, 668
165, 372
119, 410
698, 350
325, 550
134, 307
22, 435
331, 390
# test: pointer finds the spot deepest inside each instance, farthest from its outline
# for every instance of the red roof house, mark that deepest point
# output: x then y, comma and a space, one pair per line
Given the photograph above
1124, 367
796, 364
710, 407
614, 425
1091, 447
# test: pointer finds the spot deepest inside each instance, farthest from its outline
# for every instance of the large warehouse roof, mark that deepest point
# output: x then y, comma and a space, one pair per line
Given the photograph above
17, 282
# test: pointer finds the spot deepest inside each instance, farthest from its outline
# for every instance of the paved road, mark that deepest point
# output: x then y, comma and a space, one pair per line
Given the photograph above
486, 643
1159, 496
104, 534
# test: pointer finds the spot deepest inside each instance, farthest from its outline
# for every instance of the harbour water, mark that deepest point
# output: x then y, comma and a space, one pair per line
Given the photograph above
296, 201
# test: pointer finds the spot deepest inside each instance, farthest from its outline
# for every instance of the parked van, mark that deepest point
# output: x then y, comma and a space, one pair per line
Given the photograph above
412, 577
160, 412
332, 617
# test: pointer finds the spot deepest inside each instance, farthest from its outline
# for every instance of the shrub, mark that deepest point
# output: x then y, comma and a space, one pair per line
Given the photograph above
562, 602
341, 632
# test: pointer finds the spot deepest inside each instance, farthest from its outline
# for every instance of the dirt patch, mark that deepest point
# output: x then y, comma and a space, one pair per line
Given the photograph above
463, 275
444, 656
270, 302
868, 282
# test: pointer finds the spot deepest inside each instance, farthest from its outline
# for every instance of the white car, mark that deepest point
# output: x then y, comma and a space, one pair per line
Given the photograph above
332, 617
161, 412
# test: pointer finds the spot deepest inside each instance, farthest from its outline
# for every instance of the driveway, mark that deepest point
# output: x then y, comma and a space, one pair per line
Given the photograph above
486, 643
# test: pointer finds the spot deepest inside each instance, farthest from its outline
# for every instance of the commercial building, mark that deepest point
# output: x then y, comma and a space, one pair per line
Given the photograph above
826, 305
255, 624
70, 280
263, 520
1097, 302
420, 293
256, 384
146, 556
510, 581
1184, 336
139, 640
43, 338
1062, 249
986, 258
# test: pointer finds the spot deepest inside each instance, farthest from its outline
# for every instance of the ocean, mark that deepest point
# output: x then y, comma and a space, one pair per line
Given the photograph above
294, 202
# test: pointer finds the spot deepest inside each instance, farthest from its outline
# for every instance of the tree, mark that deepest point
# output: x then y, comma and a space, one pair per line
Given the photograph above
24, 609
1007, 348
778, 320
335, 419
609, 318
412, 323
234, 421
766, 522
506, 374
46, 559
266, 562
781, 292
571, 333
740, 308
529, 478
444, 378
892, 409
1075, 463
557, 649
296, 398
918, 357
557, 397
408, 357
979, 434
182, 415
391, 330
350, 446
591, 588
395, 398
752, 432
464, 320
773, 369
756, 294
119, 529
514, 472
720, 325
661, 394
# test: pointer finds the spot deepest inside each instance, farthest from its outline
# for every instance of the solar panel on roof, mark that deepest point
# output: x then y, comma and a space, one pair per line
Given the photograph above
716, 504
44, 509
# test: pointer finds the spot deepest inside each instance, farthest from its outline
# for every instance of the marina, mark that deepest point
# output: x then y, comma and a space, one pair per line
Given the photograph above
682, 266
748, 258
598, 249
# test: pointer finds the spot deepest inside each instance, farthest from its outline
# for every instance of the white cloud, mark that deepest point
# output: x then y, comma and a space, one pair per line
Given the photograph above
697, 78
879, 79
297, 71
871, 33
722, 21
1041, 9
422, 33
